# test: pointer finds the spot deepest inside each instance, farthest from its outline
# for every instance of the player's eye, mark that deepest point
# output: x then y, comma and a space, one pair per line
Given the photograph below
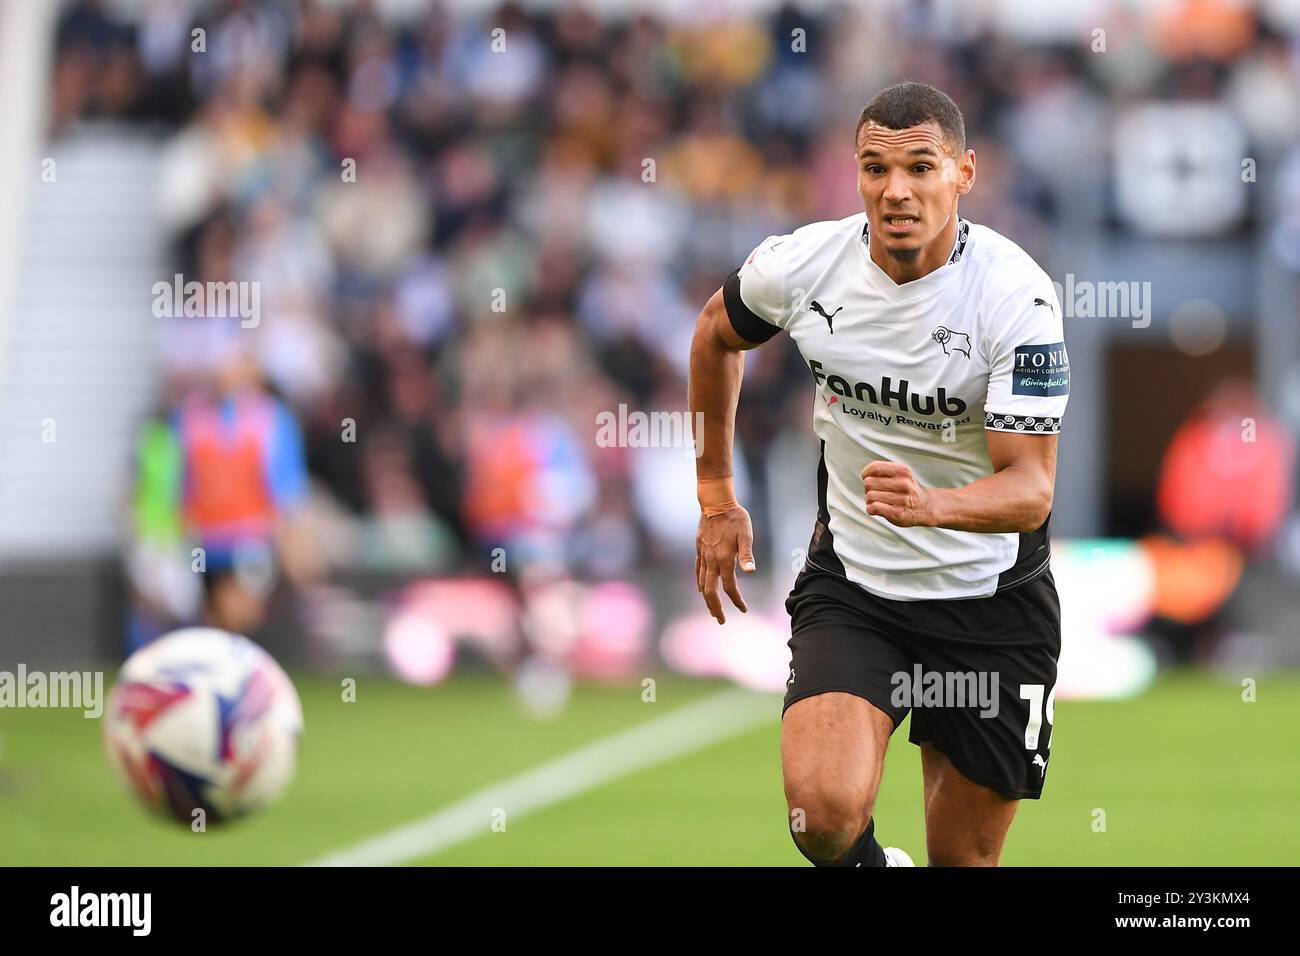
922, 168
874, 169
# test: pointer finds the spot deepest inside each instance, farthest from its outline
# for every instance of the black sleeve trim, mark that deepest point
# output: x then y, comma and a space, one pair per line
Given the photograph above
1043, 425
748, 325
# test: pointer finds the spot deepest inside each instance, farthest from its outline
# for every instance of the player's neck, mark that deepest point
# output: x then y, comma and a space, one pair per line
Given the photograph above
933, 256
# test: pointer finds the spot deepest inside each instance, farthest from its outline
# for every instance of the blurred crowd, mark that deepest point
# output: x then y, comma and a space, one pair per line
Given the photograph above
474, 234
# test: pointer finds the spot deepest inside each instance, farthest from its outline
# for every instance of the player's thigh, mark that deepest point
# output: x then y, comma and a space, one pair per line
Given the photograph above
838, 713
992, 672
966, 823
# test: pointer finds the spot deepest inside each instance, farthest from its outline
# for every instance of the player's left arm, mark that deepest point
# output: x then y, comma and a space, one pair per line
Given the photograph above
1029, 385
1016, 497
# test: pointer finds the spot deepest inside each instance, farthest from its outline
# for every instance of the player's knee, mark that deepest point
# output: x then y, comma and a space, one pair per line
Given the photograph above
826, 824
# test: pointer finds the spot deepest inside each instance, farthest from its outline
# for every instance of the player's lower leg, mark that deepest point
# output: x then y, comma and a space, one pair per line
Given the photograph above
826, 846
966, 823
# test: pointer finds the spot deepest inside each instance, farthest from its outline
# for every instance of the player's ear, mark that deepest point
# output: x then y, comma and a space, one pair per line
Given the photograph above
966, 173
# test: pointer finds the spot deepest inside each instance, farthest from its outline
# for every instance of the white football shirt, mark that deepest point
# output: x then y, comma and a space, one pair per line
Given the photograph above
913, 373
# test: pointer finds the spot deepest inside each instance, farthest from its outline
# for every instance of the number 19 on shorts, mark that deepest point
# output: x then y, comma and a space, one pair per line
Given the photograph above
1034, 694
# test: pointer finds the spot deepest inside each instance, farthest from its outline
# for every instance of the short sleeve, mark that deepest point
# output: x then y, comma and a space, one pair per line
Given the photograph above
1029, 369
755, 293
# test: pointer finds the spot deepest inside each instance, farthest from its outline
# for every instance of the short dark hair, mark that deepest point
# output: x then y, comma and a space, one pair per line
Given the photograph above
909, 104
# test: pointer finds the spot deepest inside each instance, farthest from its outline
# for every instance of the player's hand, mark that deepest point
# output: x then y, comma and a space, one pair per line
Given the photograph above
723, 541
894, 494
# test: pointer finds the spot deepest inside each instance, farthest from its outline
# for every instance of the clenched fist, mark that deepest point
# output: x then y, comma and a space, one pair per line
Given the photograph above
893, 492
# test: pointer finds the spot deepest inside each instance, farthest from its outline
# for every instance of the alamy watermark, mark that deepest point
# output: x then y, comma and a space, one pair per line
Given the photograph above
1085, 299
178, 298
83, 690
128, 910
638, 429
943, 689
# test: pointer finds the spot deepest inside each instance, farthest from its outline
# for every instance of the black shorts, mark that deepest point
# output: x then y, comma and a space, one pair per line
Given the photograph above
978, 674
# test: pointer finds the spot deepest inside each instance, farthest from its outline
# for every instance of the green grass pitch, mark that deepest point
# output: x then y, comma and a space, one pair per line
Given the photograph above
1187, 774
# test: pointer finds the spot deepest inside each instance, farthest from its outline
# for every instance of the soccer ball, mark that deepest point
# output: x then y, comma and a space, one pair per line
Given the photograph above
202, 719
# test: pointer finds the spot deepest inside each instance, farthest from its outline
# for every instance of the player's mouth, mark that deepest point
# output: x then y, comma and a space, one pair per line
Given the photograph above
900, 225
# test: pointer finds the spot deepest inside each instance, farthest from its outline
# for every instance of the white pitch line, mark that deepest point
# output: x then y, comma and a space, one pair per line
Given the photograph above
675, 734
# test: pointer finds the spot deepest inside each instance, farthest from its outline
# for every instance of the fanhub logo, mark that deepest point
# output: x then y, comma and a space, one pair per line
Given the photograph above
890, 395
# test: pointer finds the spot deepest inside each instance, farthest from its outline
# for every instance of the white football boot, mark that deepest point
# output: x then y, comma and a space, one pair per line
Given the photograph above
896, 857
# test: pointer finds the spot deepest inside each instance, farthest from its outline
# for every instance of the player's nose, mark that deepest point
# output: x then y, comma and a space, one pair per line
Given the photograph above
897, 189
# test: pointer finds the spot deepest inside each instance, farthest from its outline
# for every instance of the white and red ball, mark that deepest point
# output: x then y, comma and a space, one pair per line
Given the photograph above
202, 719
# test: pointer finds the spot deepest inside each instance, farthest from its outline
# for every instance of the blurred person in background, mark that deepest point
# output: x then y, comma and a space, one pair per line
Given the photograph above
226, 473
165, 590
244, 482
1227, 472
1225, 489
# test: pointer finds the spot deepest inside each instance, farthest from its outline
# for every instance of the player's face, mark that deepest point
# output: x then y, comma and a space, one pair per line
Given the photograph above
910, 180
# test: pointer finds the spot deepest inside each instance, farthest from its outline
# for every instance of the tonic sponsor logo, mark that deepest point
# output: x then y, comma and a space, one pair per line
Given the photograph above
1042, 370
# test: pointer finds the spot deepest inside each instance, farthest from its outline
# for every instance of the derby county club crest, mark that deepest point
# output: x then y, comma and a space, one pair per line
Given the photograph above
952, 341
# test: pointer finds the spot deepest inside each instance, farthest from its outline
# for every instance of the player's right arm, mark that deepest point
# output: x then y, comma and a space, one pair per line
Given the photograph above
726, 536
